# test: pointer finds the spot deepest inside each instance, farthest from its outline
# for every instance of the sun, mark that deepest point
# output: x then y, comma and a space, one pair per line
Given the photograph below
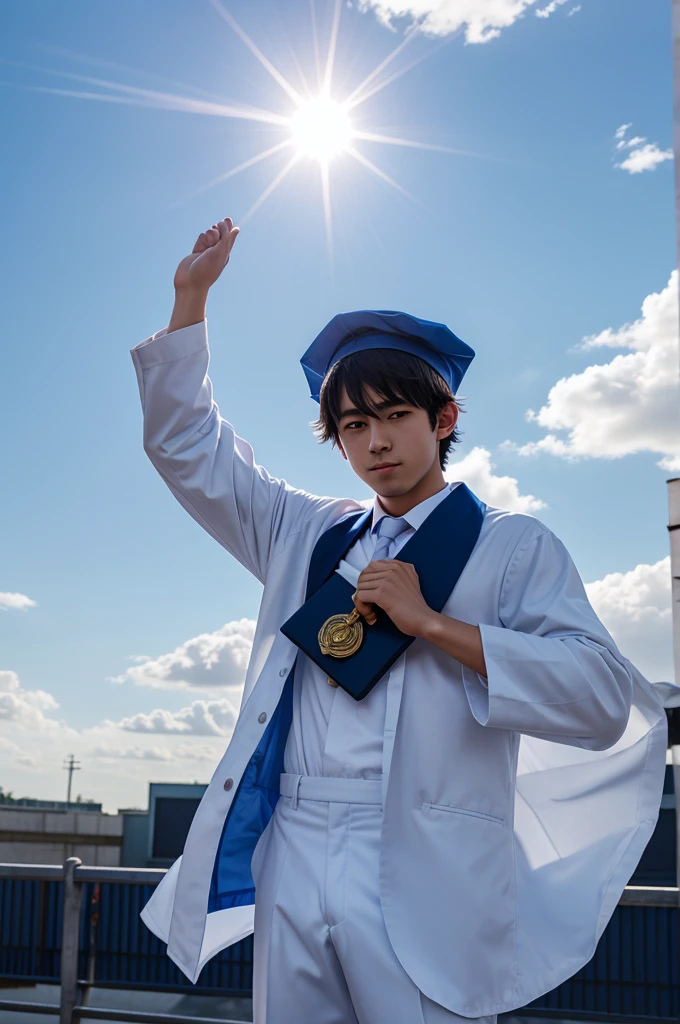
321, 129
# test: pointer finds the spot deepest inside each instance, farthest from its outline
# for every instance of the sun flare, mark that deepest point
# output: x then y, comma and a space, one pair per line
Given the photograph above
321, 129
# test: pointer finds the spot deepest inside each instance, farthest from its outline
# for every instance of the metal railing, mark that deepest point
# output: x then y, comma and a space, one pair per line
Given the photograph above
74, 876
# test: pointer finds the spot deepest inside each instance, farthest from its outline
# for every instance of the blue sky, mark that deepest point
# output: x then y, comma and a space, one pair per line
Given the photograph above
525, 243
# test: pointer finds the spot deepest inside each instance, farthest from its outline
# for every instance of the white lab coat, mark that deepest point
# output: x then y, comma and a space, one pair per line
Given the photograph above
514, 812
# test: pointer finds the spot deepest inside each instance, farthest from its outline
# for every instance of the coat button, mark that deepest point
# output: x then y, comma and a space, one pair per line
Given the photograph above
228, 784
282, 671
262, 718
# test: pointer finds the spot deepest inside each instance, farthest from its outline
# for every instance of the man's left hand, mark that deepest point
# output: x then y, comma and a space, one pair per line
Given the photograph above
393, 586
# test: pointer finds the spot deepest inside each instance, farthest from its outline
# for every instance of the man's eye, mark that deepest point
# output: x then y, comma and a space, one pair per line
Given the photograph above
399, 412
354, 423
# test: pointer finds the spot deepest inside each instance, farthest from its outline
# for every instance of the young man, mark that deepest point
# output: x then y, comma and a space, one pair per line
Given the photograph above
446, 833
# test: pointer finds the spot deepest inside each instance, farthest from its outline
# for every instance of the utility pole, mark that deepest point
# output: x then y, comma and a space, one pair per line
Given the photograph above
70, 765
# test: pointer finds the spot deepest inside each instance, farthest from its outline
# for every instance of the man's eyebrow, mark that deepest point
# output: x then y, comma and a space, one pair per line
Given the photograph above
379, 407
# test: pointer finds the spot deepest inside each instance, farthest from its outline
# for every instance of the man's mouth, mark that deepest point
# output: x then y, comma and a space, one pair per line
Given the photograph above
384, 467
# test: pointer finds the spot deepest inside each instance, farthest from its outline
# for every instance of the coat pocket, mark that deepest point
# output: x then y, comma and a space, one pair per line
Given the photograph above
428, 807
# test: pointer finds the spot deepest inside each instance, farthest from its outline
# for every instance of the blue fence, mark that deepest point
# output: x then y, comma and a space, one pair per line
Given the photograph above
116, 948
634, 970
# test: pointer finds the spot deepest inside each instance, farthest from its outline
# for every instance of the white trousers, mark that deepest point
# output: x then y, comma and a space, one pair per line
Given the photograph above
321, 951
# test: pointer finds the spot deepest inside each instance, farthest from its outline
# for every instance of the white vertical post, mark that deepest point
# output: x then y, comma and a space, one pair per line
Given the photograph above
70, 941
674, 536
674, 485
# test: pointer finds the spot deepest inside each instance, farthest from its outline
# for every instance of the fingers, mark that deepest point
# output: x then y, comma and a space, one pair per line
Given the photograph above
222, 229
209, 237
391, 563
385, 568
223, 232
227, 236
367, 611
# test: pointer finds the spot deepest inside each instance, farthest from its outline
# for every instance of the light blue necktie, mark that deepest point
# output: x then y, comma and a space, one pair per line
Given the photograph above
388, 530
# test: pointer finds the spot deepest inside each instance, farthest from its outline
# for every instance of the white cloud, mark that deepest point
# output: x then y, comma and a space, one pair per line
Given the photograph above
24, 709
635, 607
29, 738
184, 752
630, 404
640, 154
645, 158
209, 661
16, 753
481, 20
476, 470
201, 718
16, 601
545, 12
33, 746
574, 10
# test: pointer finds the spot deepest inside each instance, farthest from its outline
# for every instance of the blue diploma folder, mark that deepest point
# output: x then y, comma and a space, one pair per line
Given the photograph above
439, 551
381, 646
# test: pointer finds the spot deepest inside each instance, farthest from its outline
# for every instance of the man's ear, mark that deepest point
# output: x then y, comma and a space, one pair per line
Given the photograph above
338, 445
447, 417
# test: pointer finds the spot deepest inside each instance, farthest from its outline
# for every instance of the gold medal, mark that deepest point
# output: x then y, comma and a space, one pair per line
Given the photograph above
341, 635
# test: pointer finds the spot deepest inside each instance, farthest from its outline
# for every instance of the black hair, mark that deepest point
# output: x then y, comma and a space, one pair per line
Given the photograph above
395, 376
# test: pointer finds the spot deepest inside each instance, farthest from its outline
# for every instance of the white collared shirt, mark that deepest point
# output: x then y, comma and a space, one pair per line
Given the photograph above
333, 734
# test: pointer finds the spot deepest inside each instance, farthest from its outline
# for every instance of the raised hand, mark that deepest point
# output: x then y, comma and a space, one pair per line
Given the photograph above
198, 271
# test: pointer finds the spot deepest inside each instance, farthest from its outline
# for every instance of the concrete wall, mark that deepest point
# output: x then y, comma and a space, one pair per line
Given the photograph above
30, 836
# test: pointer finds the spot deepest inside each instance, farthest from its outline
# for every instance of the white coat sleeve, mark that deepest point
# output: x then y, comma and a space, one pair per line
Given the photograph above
553, 670
210, 469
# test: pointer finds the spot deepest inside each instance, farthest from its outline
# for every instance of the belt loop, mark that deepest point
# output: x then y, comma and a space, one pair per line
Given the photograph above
296, 789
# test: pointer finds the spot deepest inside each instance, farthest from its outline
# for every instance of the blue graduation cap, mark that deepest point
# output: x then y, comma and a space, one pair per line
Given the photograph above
386, 328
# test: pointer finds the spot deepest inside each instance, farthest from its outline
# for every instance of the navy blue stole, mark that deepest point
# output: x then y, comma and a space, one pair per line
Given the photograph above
448, 536
439, 551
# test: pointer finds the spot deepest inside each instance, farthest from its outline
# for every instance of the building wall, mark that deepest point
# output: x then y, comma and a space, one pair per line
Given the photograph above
29, 836
135, 839
172, 806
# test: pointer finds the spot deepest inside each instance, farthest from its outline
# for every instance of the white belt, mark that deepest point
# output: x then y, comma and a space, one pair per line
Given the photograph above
331, 789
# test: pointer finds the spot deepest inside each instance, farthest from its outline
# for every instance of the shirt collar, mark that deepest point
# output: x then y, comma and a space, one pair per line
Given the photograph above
416, 516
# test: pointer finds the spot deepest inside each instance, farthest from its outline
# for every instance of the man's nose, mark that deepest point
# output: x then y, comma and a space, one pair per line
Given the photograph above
378, 440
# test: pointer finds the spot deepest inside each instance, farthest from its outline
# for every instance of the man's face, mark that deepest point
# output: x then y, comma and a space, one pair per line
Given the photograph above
394, 449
